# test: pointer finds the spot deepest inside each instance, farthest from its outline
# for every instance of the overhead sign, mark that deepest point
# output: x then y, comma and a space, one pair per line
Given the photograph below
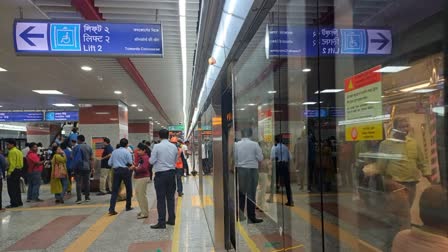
62, 116
363, 100
21, 116
176, 128
46, 37
287, 41
311, 113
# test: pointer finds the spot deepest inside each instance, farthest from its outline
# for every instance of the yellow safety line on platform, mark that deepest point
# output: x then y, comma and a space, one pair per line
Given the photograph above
176, 233
290, 248
91, 234
252, 246
56, 207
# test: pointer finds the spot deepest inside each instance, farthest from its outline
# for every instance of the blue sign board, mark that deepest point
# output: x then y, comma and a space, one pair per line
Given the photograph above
62, 116
21, 116
304, 41
336, 112
47, 37
311, 113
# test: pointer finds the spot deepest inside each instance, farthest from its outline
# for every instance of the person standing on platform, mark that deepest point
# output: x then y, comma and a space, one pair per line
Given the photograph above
248, 156
179, 166
186, 156
163, 159
106, 172
121, 163
35, 168
73, 137
141, 176
68, 155
15, 161
83, 166
280, 155
3, 167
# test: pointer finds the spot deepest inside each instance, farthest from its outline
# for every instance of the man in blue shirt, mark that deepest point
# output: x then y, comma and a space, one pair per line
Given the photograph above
163, 158
121, 163
83, 167
106, 172
280, 156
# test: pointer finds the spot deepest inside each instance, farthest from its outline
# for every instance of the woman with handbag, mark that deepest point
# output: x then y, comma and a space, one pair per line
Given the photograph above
59, 174
141, 176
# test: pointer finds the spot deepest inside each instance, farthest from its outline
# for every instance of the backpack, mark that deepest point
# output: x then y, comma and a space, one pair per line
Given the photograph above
78, 161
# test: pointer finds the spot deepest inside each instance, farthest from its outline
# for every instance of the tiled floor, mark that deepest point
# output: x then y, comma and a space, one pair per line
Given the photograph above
87, 227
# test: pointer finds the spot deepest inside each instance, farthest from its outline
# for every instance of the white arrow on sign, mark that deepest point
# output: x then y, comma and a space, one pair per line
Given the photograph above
379, 42
31, 36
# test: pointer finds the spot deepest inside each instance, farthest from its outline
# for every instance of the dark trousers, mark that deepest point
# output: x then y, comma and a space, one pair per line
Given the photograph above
165, 185
1, 190
82, 183
13, 184
205, 166
34, 181
186, 168
121, 175
282, 169
247, 189
179, 174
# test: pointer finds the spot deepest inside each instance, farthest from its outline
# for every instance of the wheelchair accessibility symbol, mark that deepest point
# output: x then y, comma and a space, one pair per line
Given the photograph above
65, 37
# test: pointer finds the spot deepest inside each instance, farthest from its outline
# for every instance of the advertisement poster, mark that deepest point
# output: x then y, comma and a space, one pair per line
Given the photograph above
265, 124
98, 146
363, 104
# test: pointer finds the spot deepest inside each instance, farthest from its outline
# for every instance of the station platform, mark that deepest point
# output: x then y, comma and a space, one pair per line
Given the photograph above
46, 226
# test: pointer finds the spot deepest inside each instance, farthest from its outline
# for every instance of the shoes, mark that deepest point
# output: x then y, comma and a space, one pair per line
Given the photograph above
142, 217
109, 192
57, 201
172, 223
39, 200
255, 220
20, 204
180, 194
28, 201
158, 226
112, 213
2, 210
129, 209
291, 204
78, 201
100, 194
87, 199
11, 206
138, 215
62, 201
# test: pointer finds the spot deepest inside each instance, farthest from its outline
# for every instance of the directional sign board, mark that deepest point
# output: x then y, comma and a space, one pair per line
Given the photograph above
21, 116
287, 41
176, 128
45, 37
62, 116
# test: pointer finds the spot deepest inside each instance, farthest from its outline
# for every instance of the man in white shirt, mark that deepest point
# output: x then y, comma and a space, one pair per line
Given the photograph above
248, 156
163, 158
186, 155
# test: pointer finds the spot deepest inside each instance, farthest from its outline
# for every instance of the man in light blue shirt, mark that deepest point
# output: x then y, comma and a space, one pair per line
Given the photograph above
121, 163
163, 158
280, 156
248, 155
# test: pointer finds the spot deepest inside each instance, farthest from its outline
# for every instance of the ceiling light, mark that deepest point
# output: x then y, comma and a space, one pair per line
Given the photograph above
12, 127
242, 109
158, 123
134, 105
372, 102
3, 70
140, 110
272, 92
309, 103
409, 89
424, 90
49, 92
113, 119
102, 113
252, 104
306, 70
85, 105
150, 117
86, 68
117, 92
392, 69
328, 91
63, 105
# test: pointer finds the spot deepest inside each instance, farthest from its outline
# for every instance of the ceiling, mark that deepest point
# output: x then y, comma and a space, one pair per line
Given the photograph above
162, 75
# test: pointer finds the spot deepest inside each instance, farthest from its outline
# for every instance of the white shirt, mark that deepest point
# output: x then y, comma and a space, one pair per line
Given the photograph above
248, 154
25, 151
185, 150
204, 152
163, 156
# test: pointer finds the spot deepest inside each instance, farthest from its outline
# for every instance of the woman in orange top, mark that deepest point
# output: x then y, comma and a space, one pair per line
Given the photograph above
179, 167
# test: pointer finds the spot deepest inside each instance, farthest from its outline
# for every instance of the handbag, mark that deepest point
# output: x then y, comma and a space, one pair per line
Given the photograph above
60, 171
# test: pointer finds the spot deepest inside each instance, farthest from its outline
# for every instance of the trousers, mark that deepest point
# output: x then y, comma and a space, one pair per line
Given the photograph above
34, 181
13, 184
141, 185
105, 178
82, 183
121, 175
179, 174
247, 189
165, 185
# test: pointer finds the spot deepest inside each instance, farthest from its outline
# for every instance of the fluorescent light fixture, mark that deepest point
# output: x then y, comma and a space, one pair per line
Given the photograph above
102, 113
140, 110
365, 120
252, 104
372, 102
183, 46
392, 69
3, 70
49, 92
424, 90
242, 109
306, 70
85, 105
439, 110
158, 123
113, 119
86, 68
309, 103
272, 92
409, 89
328, 91
134, 105
1, 106
118, 92
12, 127
150, 117
63, 105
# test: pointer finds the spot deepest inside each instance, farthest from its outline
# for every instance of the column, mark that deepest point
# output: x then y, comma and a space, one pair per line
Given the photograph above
38, 133
138, 131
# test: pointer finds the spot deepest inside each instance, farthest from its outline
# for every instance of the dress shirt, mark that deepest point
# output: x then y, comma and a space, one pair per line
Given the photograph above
164, 156
248, 154
15, 160
280, 153
120, 158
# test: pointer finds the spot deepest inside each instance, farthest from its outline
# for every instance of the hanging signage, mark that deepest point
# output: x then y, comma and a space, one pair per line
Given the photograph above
311, 113
21, 116
363, 100
62, 116
286, 41
176, 128
44, 37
